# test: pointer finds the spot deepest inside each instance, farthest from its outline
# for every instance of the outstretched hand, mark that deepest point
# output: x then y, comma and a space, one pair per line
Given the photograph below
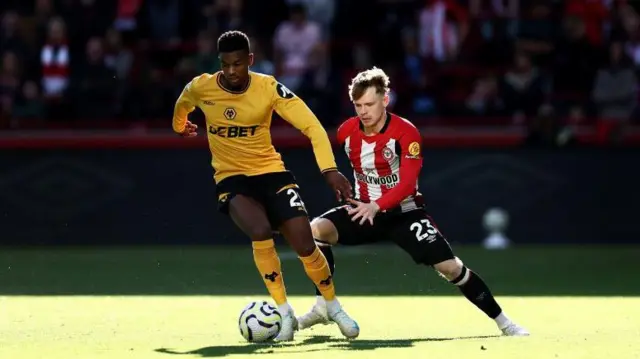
340, 184
190, 130
364, 211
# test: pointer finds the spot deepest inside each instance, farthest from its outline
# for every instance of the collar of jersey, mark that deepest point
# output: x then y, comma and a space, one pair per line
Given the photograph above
232, 91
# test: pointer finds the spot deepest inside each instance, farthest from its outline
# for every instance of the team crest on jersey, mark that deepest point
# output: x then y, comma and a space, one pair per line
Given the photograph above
230, 113
387, 154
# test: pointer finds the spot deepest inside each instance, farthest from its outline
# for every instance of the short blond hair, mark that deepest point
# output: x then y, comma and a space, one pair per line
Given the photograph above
373, 77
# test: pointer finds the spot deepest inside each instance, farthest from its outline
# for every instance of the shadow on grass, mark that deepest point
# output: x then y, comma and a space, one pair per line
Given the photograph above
329, 344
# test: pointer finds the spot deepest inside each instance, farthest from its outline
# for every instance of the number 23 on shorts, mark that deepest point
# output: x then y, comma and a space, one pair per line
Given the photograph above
423, 229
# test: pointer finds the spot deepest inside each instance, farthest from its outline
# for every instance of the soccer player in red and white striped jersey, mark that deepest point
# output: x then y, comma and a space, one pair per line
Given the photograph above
386, 161
385, 152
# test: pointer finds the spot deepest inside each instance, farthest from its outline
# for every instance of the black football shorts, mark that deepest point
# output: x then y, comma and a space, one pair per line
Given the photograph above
277, 192
414, 231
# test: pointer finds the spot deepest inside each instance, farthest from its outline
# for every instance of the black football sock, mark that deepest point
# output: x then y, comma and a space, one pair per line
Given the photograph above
328, 253
477, 292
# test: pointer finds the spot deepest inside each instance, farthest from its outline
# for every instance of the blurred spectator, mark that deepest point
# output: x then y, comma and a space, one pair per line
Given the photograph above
55, 60
10, 37
260, 62
576, 61
28, 103
159, 93
443, 26
547, 130
361, 56
523, 87
9, 83
497, 20
86, 19
629, 32
392, 19
419, 82
538, 30
485, 99
43, 13
494, 8
206, 59
297, 48
593, 14
120, 50
319, 11
119, 60
126, 15
224, 15
94, 84
185, 71
615, 88
161, 21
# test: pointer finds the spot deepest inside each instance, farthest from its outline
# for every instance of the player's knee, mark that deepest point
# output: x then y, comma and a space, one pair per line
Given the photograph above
450, 269
258, 232
324, 232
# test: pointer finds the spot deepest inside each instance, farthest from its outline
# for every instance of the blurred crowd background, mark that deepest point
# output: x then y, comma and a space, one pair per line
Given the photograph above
484, 62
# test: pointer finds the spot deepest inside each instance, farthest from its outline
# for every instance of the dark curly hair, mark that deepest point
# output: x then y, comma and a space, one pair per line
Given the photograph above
232, 41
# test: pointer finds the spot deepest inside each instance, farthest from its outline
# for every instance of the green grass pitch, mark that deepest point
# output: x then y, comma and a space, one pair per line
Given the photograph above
183, 302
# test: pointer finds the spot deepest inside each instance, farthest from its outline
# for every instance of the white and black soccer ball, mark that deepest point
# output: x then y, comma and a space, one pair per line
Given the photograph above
260, 322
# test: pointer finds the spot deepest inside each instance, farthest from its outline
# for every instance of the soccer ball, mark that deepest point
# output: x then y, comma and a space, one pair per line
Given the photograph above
259, 322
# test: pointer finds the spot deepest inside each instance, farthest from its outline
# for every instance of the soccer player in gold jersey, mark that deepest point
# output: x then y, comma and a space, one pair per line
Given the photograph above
253, 186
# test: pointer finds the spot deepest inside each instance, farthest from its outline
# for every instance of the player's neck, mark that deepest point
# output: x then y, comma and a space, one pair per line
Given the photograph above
375, 129
239, 88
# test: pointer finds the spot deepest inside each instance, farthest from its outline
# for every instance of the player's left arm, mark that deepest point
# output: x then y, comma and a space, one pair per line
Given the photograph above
293, 110
410, 166
185, 104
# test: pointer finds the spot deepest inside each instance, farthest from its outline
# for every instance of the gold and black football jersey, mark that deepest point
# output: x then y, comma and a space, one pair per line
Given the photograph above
238, 123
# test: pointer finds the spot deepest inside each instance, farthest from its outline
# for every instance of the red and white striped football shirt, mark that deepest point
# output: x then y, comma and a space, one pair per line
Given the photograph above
385, 165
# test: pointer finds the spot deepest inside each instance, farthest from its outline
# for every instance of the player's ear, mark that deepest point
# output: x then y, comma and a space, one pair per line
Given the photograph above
251, 59
385, 100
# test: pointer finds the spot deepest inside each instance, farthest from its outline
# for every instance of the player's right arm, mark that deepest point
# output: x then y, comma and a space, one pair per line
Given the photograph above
293, 110
346, 129
185, 104
341, 134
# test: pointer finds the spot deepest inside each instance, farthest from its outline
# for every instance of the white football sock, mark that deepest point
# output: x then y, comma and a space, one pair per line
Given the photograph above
333, 306
502, 320
285, 309
320, 301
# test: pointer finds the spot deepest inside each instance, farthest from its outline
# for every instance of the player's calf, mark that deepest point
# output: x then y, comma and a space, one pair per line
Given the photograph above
268, 264
297, 232
251, 218
325, 235
470, 284
325, 311
478, 293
